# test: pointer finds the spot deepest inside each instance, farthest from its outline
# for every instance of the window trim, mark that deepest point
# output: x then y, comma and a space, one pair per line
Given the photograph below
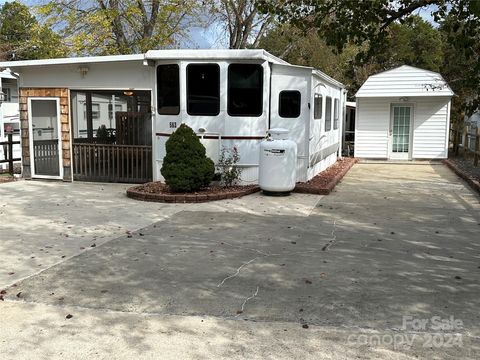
261, 91
219, 88
336, 113
179, 89
329, 99
280, 104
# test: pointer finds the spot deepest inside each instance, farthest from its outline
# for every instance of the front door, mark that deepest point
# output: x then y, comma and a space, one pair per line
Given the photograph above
45, 139
400, 132
290, 108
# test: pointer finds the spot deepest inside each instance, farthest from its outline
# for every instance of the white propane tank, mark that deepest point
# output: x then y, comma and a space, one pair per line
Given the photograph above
278, 162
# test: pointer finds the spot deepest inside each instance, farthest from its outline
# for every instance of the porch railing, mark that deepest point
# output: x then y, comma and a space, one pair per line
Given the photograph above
112, 163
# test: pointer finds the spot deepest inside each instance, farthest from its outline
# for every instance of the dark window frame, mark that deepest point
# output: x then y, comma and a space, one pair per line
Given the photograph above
318, 111
178, 92
283, 92
218, 87
328, 113
229, 91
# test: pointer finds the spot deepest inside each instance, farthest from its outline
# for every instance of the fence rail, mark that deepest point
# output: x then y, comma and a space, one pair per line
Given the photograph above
466, 142
112, 163
8, 146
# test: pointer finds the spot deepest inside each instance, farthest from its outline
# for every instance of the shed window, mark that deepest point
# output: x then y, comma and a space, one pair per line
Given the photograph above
168, 89
245, 90
335, 114
318, 106
328, 114
290, 104
203, 89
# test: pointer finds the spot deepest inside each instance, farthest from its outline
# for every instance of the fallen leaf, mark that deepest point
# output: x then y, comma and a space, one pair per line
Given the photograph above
93, 245
69, 316
19, 294
458, 277
305, 326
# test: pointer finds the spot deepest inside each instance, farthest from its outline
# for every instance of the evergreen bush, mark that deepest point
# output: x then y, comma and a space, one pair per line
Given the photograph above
185, 167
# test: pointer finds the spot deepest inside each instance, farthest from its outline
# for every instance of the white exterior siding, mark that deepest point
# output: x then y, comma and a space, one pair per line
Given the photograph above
371, 128
404, 81
430, 128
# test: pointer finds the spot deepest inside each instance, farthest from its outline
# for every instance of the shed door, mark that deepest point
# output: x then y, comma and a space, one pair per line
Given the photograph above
400, 132
290, 108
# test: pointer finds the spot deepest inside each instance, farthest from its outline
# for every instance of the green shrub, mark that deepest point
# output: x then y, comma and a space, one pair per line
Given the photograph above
185, 167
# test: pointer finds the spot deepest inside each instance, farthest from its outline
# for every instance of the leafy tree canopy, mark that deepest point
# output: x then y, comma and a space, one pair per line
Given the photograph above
23, 38
108, 27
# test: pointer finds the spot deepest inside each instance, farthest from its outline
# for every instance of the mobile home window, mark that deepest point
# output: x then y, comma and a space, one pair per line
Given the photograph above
203, 89
318, 106
245, 90
328, 114
168, 89
335, 114
290, 104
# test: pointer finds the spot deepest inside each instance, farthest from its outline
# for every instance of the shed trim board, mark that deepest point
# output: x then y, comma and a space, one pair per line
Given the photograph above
318, 148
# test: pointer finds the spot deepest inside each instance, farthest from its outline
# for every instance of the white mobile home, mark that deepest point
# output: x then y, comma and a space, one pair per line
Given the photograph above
9, 114
108, 118
403, 114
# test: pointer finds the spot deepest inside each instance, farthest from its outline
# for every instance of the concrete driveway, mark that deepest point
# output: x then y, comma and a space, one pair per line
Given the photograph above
340, 276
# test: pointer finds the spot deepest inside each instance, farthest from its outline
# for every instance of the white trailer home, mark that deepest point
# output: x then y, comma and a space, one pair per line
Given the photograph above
9, 114
403, 114
229, 97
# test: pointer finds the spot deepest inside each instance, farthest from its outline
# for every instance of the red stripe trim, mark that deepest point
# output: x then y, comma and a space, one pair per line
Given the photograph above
223, 137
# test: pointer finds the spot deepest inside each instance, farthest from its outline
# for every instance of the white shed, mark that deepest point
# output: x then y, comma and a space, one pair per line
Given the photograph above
403, 114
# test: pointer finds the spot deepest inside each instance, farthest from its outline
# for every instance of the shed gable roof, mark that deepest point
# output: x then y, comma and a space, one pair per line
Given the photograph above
405, 81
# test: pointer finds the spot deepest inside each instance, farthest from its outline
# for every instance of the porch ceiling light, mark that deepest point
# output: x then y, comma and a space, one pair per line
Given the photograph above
128, 93
404, 99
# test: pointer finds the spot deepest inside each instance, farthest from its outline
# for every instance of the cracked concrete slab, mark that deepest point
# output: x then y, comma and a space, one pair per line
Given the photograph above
45, 223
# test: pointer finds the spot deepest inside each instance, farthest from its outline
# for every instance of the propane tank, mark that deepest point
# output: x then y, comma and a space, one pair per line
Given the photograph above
278, 163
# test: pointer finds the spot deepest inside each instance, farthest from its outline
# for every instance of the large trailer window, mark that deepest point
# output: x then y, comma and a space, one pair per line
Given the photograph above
245, 90
328, 114
168, 89
290, 104
203, 89
335, 115
318, 107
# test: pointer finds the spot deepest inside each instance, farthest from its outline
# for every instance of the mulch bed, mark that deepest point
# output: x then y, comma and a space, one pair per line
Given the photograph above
466, 170
6, 178
325, 182
159, 192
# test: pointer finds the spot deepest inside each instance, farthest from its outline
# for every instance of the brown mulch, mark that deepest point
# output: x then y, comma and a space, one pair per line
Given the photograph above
325, 181
160, 192
467, 166
6, 178
466, 170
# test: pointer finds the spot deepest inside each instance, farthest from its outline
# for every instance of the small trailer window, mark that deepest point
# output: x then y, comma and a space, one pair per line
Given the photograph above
245, 90
290, 104
335, 114
203, 89
328, 114
168, 89
318, 107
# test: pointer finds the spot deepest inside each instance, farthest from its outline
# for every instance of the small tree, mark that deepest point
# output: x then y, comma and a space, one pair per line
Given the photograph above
229, 171
185, 166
